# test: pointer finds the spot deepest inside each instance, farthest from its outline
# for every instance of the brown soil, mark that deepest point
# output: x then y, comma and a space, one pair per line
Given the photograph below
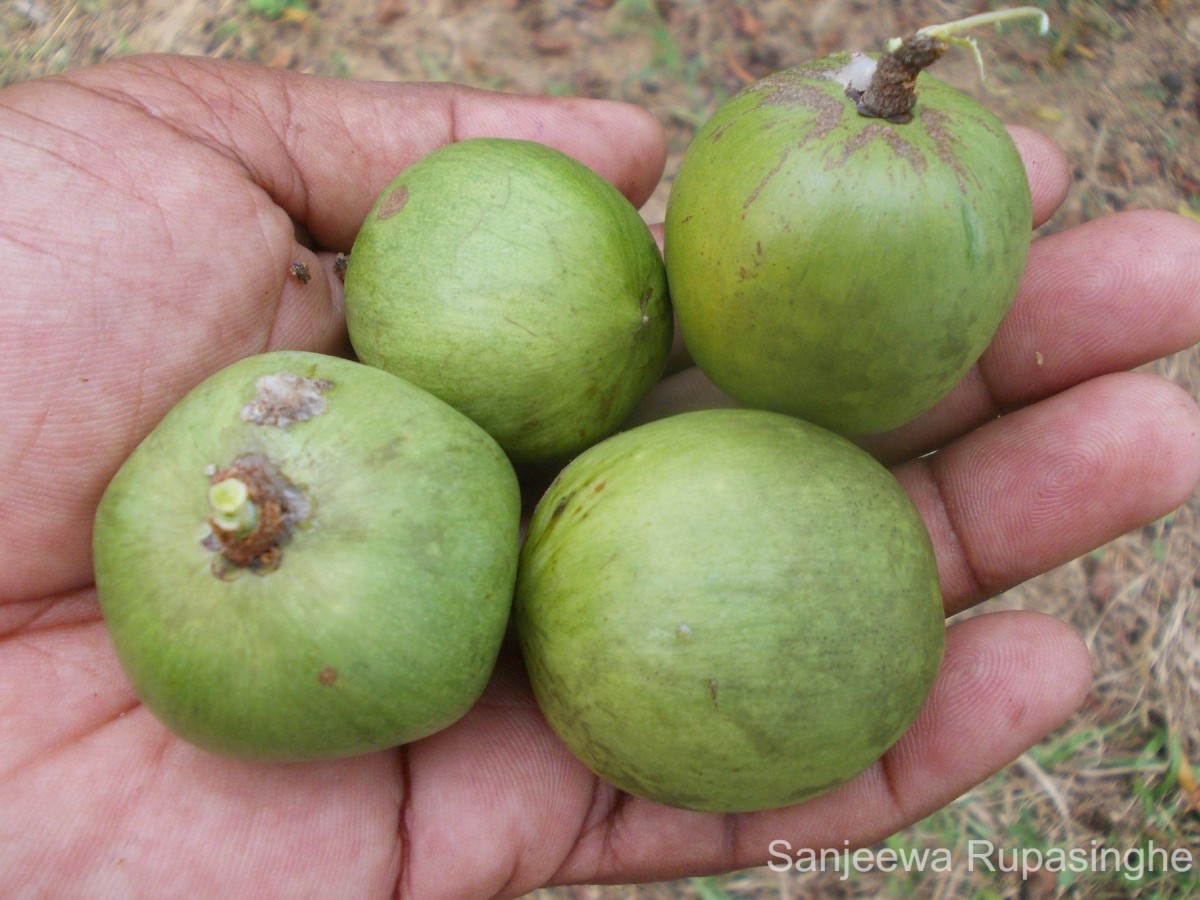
1117, 84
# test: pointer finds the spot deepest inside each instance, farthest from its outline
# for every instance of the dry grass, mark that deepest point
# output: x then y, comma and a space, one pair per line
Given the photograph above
1118, 772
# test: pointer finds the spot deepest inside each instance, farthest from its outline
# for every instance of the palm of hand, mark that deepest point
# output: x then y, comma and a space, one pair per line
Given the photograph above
150, 209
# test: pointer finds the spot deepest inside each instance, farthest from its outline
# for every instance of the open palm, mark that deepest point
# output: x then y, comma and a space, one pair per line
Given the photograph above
151, 212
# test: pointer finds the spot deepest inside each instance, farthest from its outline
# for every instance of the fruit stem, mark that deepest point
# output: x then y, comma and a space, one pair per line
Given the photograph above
233, 510
891, 94
250, 517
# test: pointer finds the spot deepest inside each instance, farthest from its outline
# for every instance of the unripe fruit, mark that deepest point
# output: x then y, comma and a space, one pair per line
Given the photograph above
728, 610
308, 558
842, 268
517, 285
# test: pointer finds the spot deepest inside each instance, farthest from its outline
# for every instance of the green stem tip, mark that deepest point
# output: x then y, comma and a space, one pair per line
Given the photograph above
890, 94
233, 510
948, 32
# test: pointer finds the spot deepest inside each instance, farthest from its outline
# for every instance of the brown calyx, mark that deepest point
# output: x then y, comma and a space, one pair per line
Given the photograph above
260, 548
891, 94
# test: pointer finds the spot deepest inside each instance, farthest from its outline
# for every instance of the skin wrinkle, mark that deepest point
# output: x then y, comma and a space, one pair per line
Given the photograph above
403, 876
261, 163
602, 831
288, 133
143, 110
215, 132
67, 609
892, 783
732, 831
24, 452
972, 586
278, 111
992, 407
65, 743
216, 136
129, 187
275, 304
454, 115
31, 651
598, 813
507, 888
34, 248
52, 126
23, 616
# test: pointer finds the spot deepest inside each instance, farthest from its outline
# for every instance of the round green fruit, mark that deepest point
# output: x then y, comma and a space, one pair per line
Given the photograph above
517, 285
728, 610
845, 269
308, 558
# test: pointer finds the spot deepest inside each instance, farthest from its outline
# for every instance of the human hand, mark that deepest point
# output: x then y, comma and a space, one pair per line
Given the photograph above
151, 211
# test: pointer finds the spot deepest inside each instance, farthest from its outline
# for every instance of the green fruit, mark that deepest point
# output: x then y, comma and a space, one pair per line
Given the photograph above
728, 610
308, 558
517, 285
844, 269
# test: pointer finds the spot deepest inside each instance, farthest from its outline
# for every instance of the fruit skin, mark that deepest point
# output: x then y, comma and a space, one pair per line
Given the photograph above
517, 285
844, 269
383, 620
728, 610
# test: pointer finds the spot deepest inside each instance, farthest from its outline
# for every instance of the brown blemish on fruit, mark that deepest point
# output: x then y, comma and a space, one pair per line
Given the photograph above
879, 132
600, 485
787, 92
766, 179
517, 324
327, 676
933, 120
719, 132
393, 203
712, 692
222, 569
783, 90
284, 398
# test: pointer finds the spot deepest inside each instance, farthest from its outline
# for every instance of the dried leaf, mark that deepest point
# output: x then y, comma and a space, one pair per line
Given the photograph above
739, 71
1185, 210
388, 11
282, 58
296, 16
548, 45
745, 22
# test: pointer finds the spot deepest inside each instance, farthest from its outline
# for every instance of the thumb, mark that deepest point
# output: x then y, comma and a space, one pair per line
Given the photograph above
323, 148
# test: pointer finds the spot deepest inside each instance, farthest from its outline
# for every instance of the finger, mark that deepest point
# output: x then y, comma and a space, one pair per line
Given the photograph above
1046, 167
96, 791
498, 781
1050, 482
324, 148
1006, 681
1105, 297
